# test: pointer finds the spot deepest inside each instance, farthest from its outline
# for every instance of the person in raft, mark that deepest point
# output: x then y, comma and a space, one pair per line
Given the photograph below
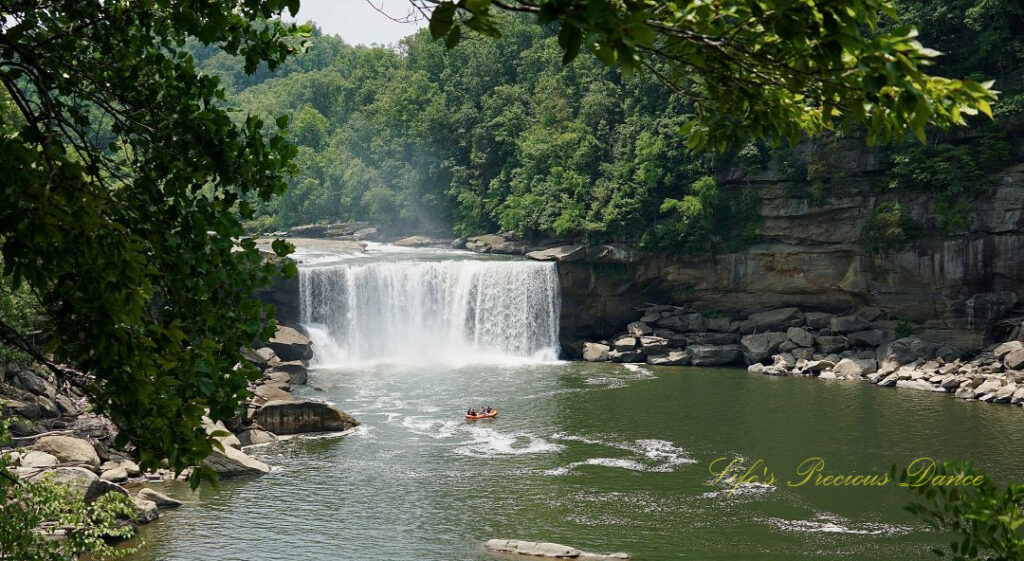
471, 412
487, 410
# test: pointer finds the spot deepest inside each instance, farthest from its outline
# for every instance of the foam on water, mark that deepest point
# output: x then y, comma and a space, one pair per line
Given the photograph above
828, 523
648, 455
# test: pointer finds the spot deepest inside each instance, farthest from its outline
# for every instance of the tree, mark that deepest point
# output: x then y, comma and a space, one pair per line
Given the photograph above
986, 521
755, 68
120, 210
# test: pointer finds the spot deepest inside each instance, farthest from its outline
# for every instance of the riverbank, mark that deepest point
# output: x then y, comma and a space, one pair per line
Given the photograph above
859, 345
55, 436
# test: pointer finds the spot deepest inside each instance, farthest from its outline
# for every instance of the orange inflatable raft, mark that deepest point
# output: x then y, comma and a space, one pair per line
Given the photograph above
491, 415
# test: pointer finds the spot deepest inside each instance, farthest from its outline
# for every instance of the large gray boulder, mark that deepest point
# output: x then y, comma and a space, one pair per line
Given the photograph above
595, 352
561, 253
831, 343
289, 344
800, 336
37, 459
761, 346
301, 416
714, 355
683, 322
68, 449
1006, 348
230, 462
711, 338
253, 436
773, 319
904, 351
30, 381
1014, 360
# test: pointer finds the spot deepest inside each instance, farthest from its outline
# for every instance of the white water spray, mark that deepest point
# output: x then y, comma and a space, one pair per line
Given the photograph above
415, 312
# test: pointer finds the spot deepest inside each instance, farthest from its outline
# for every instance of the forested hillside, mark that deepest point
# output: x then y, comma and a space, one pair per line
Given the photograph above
500, 135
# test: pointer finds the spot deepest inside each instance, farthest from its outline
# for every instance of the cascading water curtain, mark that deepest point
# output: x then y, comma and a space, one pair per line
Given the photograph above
447, 311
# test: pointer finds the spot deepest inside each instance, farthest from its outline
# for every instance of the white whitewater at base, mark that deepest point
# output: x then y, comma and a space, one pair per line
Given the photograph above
417, 312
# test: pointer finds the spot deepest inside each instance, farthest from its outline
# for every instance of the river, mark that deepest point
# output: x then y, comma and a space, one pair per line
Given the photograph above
598, 456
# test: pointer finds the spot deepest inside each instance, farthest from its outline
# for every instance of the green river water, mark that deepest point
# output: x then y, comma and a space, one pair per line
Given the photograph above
597, 456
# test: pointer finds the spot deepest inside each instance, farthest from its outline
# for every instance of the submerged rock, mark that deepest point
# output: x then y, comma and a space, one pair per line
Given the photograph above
301, 416
545, 549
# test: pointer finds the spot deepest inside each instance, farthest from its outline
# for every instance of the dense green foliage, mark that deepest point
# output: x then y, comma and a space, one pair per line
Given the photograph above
986, 521
502, 136
120, 206
86, 527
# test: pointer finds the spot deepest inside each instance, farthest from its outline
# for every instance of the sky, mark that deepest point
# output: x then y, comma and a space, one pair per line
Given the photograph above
357, 22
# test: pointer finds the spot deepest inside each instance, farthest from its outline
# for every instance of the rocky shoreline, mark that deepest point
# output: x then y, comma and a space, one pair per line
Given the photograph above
860, 345
55, 437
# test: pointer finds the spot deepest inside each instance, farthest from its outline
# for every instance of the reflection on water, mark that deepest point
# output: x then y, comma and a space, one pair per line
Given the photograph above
601, 457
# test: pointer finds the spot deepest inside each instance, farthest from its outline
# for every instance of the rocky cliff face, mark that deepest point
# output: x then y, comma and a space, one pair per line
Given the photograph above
954, 288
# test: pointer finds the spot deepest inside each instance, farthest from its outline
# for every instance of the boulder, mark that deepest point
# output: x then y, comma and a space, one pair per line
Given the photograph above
37, 459
675, 357
367, 233
855, 368
639, 329
849, 324
145, 511
715, 355
922, 385
79, 479
417, 241
67, 405
1006, 348
904, 351
458, 243
253, 436
268, 355
300, 416
231, 462
561, 253
786, 361
289, 344
1005, 393
1014, 359
595, 352
867, 338
816, 366
654, 345
987, 387
115, 475
68, 449
774, 319
159, 499
228, 440
536, 549
831, 343
800, 336
761, 346
264, 394
719, 324
494, 243
818, 320
31, 382
756, 368
130, 467
805, 353
624, 344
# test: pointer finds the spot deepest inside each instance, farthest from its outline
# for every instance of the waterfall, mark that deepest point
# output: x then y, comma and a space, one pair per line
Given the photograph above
453, 311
